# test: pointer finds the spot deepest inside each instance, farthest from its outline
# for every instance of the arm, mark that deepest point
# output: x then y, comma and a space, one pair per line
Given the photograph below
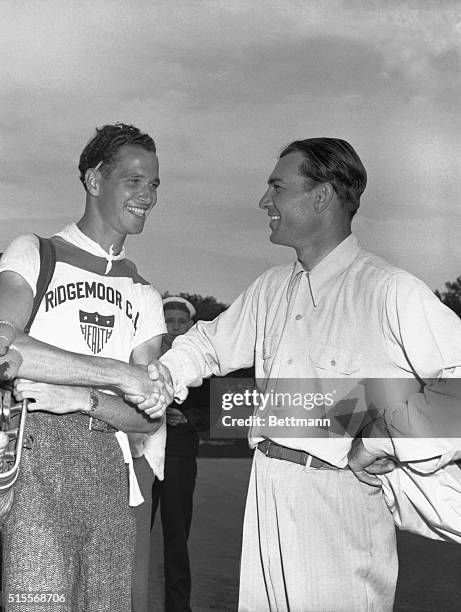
111, 409
423, 419
371, 449
142, 355
213, 347
45, 363
425, 422
424, 427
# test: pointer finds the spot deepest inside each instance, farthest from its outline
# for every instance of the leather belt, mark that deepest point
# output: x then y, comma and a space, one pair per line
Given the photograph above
277, 451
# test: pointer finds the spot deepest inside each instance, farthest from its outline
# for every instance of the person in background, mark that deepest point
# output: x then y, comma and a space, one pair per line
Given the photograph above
175, 493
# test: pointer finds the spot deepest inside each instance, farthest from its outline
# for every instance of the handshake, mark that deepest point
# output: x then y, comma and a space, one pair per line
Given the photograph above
149, 388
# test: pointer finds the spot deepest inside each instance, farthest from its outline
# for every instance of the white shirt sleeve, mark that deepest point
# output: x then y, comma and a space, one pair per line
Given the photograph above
425, 425
423, 331
22, 256
151, 319
428, 424
215, 347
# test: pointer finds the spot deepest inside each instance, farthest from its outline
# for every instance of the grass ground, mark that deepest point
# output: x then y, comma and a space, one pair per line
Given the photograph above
430, 572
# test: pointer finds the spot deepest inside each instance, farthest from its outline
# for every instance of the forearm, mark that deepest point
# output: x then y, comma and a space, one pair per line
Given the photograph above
215, 347
428, 424
424, 424
209, 348
121, 415
45, 363
65, 399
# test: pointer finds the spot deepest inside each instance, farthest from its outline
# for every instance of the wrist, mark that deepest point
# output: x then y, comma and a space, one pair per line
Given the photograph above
91, 402
112, 373
123, 377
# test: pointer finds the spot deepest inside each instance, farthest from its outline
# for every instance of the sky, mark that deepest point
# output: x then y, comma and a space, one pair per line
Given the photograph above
222, 86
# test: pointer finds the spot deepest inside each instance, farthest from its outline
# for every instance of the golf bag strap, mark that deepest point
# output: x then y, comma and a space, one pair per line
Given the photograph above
47, 265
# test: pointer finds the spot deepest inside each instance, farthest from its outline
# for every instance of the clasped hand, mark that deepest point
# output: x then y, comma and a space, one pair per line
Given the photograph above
58, 399
155, 391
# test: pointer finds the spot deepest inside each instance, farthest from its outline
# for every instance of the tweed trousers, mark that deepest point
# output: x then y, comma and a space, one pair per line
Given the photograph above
71, 532
315, 540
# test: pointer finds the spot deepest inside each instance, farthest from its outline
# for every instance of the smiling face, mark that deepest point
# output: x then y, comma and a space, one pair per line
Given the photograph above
128, 193
290, 203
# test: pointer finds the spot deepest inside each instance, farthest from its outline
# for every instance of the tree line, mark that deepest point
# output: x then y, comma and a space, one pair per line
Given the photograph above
208, 307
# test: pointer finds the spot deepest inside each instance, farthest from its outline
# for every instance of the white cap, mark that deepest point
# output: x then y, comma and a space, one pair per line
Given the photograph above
181, 300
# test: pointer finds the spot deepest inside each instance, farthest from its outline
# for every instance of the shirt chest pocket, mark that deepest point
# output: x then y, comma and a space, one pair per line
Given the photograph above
337, 361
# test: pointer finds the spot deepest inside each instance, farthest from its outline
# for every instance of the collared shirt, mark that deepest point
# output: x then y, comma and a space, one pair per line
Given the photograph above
352, 317
72, 233
22, 253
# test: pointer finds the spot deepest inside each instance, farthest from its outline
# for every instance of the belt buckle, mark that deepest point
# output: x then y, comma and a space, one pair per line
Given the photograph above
269, 443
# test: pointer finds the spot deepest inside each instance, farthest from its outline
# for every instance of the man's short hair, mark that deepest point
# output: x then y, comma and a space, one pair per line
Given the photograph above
102, 149
334, 161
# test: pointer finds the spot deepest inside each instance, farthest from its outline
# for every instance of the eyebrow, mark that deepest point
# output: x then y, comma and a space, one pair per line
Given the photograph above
140, 175
273, 180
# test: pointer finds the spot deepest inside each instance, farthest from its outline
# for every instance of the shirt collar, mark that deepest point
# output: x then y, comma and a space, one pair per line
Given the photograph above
75, 236
330, 266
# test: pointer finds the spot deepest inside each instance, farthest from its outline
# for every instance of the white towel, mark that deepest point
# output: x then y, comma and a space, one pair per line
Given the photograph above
154, 450
135, 498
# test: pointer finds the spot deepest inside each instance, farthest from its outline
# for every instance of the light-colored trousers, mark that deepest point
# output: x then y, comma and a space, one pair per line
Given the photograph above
315, 540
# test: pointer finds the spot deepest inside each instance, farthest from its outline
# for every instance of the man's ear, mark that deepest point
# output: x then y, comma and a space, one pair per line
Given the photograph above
324, 196
92, 181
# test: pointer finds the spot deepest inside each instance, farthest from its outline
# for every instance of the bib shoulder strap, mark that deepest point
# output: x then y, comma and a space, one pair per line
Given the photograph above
47, 265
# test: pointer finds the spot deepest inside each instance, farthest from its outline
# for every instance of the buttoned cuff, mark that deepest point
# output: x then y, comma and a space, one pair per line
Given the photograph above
378, 446
180, 389
427, 455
